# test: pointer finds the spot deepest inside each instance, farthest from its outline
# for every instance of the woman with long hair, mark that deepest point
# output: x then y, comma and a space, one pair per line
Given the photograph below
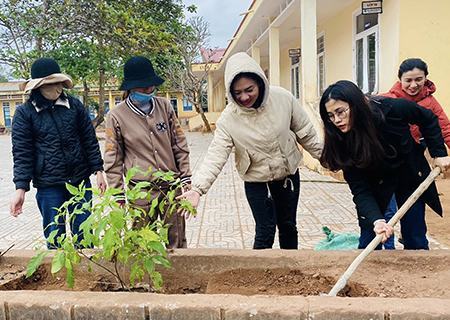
371, 142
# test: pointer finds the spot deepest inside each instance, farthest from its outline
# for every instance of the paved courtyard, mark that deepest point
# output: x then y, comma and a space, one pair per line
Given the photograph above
224, 218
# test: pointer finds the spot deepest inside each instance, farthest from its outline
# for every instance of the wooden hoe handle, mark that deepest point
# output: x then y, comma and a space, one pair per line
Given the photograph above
340, 284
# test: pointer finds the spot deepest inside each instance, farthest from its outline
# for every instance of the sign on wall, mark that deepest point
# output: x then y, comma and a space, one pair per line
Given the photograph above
294, 53
372, 7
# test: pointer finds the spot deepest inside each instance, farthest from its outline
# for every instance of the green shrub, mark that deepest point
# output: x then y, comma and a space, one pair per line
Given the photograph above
109, 229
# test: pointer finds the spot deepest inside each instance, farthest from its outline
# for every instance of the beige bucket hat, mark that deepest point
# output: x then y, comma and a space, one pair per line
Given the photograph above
45, 71
53, 78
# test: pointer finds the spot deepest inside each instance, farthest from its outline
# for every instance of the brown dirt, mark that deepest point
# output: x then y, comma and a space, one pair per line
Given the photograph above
280, 281
43, 280
402, 274
439, 228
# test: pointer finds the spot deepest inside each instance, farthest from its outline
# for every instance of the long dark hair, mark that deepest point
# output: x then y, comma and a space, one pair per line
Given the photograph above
259, 83
359, 147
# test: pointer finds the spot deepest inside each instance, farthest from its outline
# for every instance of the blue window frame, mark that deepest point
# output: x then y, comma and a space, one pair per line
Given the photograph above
187, 106
7, 114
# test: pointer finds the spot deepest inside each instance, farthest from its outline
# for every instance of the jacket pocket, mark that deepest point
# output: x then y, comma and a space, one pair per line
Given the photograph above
242, 162
293, 158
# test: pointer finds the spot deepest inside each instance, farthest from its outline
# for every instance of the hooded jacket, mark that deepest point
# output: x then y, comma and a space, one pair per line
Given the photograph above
265, 139
425, 99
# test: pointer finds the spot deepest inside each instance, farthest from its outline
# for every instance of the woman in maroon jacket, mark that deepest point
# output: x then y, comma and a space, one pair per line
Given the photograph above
413, 85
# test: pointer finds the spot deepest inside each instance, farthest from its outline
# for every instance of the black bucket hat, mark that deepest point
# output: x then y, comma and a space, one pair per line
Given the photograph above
138, 72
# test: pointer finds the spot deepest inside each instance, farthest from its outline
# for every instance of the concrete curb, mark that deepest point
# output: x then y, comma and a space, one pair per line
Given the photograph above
138, 306
77, 305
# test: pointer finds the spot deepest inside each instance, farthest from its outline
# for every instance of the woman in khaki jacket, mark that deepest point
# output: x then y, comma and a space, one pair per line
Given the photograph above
143, 131
264, 124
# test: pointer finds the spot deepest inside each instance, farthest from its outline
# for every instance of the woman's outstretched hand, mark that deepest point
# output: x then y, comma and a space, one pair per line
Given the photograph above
193, 197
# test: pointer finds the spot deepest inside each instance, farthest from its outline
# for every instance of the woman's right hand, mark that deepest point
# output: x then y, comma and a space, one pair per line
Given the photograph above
192, 196
381, 227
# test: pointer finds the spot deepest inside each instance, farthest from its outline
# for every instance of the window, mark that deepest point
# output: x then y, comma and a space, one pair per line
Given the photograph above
106, 106
7, 114
187, 105
366, 52
174, 103
321, 65
295, 76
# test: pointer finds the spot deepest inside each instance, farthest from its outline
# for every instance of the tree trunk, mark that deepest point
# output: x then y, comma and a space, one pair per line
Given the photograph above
198, 107
39, 42
205, 121
101, 96
85, 93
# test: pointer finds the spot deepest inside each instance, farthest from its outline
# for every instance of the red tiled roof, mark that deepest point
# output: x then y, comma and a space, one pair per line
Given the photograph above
212, 55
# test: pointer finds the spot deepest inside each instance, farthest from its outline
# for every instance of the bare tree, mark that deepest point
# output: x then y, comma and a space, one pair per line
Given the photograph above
191, 42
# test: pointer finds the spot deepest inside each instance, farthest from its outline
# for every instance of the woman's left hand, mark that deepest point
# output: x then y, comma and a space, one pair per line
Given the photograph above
442, 162
101, 183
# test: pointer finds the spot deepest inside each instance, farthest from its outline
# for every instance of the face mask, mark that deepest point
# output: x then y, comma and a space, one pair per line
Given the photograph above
51, 91
142, 98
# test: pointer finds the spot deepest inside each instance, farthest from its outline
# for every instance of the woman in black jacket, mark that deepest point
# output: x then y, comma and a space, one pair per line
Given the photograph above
54, 143
371, 142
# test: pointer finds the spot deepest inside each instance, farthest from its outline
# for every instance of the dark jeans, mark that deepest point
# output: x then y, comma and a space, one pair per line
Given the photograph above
388, 214
413, 228
277, 208
51, 198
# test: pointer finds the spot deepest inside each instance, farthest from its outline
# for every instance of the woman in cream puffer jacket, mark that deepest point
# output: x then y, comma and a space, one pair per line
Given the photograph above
264, 124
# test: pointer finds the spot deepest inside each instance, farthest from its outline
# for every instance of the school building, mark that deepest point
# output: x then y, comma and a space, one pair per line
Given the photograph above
306, 45
11, 97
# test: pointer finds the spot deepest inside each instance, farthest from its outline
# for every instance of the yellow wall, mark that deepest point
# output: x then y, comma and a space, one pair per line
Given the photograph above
389, 34
218, 98
338, 35
180, 112
424, 34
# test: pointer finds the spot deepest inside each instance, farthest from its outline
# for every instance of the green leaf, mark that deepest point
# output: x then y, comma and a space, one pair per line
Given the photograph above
136, 273
171, 195
158, 247
148, 235
72, 190
35, 262
161, 206
162, 261
69, 274
149, 265
58, 261
51, 237
153, 207
117, 219
156, 279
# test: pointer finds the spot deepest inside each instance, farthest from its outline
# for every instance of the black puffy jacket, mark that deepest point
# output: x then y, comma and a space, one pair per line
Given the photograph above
372, 187
54, 146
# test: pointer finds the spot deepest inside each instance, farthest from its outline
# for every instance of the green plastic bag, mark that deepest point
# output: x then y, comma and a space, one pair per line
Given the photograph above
333, 241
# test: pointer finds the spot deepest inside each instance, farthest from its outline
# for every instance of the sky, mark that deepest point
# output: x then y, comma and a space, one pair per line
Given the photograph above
223, 18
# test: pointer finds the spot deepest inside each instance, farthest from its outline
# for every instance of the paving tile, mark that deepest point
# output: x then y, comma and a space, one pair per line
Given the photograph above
224, 218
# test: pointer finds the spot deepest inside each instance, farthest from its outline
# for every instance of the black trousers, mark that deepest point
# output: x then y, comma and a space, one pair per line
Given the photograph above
274, 204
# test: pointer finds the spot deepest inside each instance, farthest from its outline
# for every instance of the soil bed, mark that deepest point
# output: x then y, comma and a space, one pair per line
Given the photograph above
402, 274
